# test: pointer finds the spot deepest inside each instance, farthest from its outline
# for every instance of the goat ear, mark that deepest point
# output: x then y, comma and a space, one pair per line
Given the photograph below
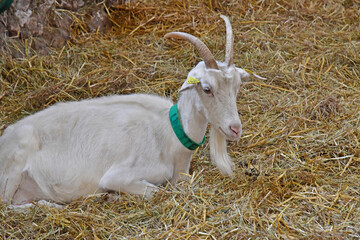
245, 74
189, 83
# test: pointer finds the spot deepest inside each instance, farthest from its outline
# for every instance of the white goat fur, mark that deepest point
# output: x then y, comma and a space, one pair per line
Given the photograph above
117, 143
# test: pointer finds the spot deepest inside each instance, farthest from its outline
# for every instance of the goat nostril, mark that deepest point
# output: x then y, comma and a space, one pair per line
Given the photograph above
235, 130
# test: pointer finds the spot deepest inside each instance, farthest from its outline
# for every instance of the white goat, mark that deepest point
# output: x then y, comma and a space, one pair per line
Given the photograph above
123, 143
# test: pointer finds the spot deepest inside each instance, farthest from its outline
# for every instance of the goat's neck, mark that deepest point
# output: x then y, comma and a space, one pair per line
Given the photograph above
191, 117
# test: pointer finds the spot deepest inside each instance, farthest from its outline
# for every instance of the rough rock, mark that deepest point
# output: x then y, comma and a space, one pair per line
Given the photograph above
47, 23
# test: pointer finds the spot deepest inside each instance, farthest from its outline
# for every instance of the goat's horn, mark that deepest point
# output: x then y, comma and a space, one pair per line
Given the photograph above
229, 42
199, 45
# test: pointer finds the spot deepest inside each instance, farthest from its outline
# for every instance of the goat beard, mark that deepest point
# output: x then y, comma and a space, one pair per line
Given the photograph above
218, 152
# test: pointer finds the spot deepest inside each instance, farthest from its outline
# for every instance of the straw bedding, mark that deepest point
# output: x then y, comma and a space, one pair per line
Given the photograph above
297, 170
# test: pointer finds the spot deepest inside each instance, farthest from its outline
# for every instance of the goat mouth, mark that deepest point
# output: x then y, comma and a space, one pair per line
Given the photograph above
230, 137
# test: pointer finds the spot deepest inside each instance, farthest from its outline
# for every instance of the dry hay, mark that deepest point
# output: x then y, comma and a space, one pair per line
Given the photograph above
298, 162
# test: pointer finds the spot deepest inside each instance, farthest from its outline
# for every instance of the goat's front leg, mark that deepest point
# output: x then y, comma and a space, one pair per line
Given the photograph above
118, 180
181, 170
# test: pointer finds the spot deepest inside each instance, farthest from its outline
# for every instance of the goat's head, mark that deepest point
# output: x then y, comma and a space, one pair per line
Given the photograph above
217, 84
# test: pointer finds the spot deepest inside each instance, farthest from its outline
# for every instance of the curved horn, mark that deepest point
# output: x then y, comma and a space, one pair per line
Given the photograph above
229, 41
203, 50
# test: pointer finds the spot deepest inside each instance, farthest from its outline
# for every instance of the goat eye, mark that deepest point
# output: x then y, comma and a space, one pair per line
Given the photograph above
207, 90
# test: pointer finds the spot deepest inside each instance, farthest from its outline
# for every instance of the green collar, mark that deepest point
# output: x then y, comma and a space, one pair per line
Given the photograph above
5, 5
179, 131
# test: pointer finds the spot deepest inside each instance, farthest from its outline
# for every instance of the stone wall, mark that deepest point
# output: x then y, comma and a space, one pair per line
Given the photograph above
47, 23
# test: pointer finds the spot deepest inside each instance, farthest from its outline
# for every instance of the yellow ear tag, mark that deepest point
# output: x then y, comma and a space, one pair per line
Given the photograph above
253, 74
248, 71
192, 80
